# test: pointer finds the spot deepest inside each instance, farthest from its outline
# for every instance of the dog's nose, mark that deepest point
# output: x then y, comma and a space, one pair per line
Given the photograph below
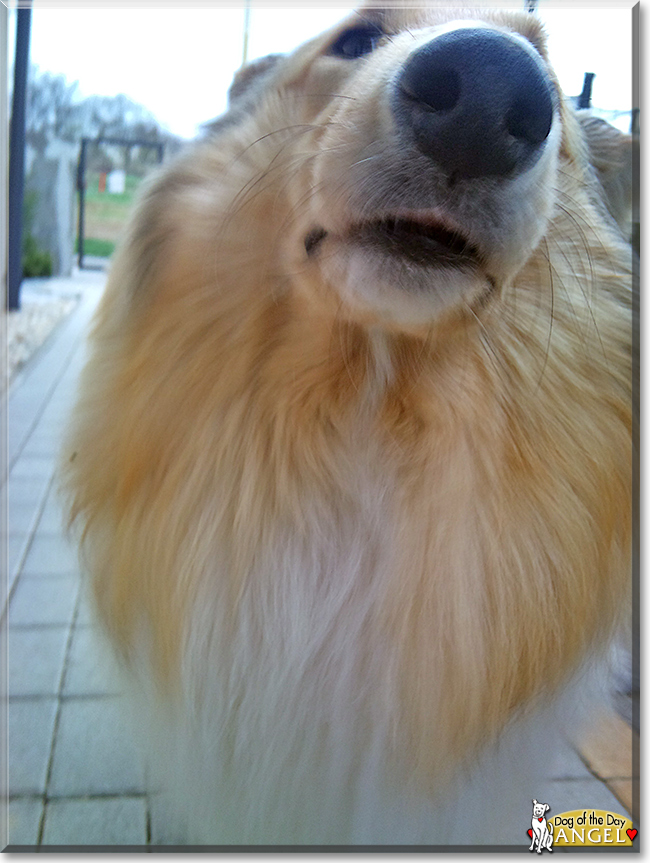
477, 102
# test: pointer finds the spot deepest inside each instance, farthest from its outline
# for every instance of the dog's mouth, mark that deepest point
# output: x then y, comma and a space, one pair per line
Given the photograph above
425, 242
421, 240
405, 266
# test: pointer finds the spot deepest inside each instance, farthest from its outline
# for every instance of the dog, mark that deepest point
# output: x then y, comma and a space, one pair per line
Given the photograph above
351, 458
541, 834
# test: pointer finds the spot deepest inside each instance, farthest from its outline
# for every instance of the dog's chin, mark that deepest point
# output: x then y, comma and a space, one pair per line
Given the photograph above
403, 277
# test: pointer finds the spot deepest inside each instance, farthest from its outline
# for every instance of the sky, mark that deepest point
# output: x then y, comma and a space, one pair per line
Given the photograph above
178, 61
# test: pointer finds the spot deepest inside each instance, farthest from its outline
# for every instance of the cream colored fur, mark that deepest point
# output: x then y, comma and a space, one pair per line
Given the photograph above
351, 528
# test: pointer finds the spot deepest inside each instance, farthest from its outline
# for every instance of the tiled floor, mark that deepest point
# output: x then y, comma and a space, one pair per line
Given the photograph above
74, 778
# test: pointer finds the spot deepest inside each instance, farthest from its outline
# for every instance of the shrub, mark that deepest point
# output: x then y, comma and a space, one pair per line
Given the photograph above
36, 262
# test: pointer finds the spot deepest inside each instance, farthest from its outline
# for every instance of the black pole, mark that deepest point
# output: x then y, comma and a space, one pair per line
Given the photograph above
81, 188
247, 27
584, 99
17, 159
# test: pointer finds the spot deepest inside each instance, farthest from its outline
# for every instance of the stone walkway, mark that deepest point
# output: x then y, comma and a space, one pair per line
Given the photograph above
74, 778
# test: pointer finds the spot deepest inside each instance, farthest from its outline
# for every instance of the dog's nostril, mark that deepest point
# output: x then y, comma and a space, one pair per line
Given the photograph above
439, 91
526, 122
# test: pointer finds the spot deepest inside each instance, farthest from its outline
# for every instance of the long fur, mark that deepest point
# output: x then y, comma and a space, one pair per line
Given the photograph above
352, 538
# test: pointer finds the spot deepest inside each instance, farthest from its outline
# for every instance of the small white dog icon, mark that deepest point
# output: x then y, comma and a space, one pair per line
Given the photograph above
541, 834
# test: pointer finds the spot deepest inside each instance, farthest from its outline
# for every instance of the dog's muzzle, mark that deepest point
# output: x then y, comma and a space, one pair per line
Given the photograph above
476, 102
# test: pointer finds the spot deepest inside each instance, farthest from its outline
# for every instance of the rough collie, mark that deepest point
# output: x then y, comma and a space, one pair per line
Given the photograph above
352, 452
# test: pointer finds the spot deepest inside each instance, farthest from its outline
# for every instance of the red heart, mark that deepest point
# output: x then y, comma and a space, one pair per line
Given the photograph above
530, 833
540, 819
631, 833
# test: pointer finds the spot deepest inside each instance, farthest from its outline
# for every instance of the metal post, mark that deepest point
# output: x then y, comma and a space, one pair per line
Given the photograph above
17, 160
584, 99
81, 188
247, 24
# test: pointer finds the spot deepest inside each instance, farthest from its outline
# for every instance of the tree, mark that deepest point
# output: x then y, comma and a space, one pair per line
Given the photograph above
56, 110
53, 107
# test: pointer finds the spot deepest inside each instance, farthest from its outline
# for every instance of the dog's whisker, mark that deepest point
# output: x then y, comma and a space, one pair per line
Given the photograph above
325, 96
559, 281
551, 291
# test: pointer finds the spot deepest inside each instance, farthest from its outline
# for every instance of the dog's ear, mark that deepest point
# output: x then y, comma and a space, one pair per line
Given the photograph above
546, 807
534, 802
611, 154
251, 76
249, 82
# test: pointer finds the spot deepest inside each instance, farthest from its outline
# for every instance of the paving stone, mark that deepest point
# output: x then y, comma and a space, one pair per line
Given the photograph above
39, 600
21, 517
166, 824
19, 425
44, 444
51, 555
15, 544
35, 660
30, 726
91, 668
52, 520
26, 491
32, 467
565, 763
108, 821
23, 822
94, 753
85, 613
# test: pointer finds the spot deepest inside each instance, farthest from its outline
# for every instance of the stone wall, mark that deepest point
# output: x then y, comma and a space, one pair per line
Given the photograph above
50, 175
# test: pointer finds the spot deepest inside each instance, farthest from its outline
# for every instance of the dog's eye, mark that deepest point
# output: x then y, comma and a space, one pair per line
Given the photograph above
356, 42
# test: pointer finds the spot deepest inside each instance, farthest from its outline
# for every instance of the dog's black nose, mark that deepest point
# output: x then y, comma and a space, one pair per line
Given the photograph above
477, 102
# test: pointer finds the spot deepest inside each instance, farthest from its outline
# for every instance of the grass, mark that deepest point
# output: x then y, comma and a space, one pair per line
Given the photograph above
105, 215
103, 199
98, 248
